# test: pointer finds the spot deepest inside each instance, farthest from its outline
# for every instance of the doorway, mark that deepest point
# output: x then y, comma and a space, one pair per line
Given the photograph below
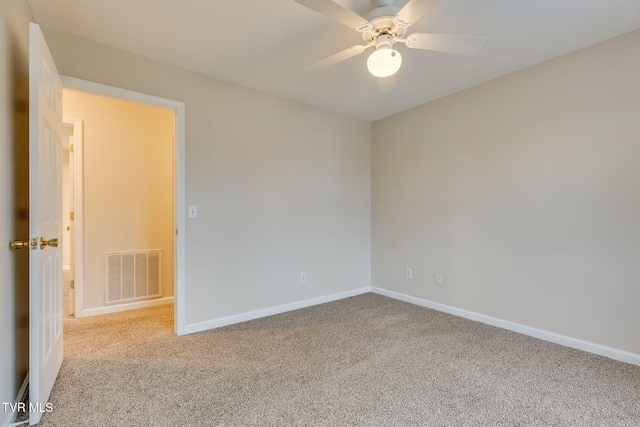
136, 259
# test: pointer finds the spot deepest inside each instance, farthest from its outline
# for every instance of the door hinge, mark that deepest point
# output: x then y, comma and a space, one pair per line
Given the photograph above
72, 284
176, 231
71, 148
72, 216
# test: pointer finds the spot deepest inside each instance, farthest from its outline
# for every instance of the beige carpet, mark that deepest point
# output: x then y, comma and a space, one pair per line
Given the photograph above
367, 360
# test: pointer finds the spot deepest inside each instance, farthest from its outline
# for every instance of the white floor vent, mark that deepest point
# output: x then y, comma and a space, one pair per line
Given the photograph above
133, 276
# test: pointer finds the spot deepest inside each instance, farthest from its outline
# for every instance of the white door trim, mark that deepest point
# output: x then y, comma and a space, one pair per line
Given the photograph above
77, 263
179, 180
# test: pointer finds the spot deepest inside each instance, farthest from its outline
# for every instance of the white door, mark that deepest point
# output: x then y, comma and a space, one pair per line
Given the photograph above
45, 223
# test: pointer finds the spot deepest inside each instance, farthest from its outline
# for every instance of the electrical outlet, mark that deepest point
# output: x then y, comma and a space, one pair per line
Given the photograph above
408, 273
438, 279
303, 277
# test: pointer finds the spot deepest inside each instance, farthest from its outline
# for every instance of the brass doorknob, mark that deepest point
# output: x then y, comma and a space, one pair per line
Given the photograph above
19, 244
43, 243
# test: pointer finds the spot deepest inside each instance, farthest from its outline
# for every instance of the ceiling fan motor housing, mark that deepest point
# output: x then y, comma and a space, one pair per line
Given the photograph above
382, 21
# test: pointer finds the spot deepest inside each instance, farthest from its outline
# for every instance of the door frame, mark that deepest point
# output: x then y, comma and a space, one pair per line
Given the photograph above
77, 183
179, 189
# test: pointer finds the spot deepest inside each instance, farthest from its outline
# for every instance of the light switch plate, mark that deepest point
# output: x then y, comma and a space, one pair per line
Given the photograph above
193, 212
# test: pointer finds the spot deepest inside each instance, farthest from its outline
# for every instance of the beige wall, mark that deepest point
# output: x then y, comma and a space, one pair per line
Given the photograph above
524, 193
281, 187
14, 202
128, 184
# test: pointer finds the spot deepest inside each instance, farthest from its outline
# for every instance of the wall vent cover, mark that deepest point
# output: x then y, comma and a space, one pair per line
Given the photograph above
133, 276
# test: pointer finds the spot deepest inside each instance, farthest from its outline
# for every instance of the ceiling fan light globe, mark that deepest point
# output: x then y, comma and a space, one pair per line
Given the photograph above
384, 62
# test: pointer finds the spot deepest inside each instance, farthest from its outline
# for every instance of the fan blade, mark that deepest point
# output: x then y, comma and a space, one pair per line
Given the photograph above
464, 45
334, 59
337, 13
387, 83
413, 10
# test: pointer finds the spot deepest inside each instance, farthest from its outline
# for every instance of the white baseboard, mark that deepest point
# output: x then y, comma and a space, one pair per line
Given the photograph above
124, 307
610, 352
251, 315
11, 415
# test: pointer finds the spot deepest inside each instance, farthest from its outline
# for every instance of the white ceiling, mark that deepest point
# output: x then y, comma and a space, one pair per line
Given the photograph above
263, 44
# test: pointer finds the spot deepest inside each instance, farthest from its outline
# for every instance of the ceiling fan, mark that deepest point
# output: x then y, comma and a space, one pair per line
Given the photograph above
382, 28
